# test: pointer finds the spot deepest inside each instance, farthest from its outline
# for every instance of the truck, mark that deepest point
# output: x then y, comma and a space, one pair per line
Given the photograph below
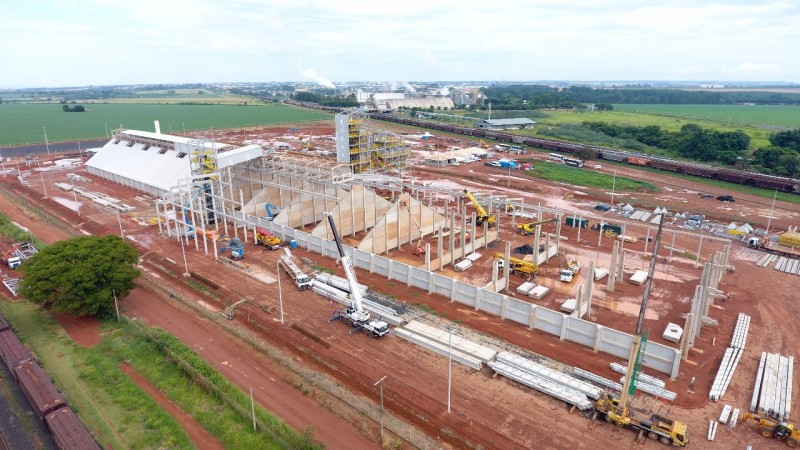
19, 252
568, 273
355, 315
267, 239
301, 280
508, 163
655, 427
764, 244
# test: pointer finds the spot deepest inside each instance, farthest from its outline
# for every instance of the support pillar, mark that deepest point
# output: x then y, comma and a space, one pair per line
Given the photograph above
612, 275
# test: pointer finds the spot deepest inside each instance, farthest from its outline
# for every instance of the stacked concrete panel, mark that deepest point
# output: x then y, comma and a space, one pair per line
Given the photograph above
731, 358
549, 374
544, 385
772, 394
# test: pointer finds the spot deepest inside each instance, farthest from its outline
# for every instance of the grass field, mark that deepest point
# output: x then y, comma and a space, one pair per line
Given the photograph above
757, 115
111, 405
580, 177
759, 136
22, 123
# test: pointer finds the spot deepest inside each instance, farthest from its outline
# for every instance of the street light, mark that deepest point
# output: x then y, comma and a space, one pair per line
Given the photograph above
46, 144
449, 366
119, 221
381, 383
106, 130
613, 188
280, 291
43, 186
769, 221
183, 251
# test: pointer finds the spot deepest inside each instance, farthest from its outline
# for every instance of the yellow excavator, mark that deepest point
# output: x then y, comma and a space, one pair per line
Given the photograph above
780, 431
481, 216
519, 267
529, 229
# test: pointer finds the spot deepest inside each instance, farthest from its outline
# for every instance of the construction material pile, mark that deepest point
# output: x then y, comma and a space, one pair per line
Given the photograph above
772, 394
544, 379
646, 383
443, 342
731, 358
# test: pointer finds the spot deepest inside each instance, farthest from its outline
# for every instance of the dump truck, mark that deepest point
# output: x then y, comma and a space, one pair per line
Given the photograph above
568, 273
267, 239
301, 280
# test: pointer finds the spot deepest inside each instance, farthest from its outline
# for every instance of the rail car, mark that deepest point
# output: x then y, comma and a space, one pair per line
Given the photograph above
68, 431
717, 173
65, 427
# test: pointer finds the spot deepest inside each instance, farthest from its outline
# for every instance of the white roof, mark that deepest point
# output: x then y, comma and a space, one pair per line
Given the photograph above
150, 167
171, 138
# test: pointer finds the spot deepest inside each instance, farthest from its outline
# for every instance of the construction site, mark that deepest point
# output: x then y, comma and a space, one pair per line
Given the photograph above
467, 305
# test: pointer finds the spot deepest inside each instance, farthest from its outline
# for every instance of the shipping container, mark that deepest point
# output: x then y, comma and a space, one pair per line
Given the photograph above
68, 431
574, 222
38, 388
12, 350
638, 161
610, 226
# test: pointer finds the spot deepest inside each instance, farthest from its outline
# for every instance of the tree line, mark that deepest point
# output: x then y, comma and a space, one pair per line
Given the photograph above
541, 96
782, 157
337, 101
692, 141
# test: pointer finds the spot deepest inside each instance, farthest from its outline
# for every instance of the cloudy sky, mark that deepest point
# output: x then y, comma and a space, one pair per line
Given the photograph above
101, 42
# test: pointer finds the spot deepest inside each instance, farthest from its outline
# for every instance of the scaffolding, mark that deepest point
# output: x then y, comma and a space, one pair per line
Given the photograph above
365, 149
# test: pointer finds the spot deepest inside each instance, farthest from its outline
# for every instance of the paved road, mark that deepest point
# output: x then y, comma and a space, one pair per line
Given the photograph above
56, 147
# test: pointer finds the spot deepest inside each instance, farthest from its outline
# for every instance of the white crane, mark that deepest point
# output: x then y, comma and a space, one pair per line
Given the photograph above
355, 315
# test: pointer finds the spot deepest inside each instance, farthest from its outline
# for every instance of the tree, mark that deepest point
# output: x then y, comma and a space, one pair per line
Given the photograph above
81, 275
66, 108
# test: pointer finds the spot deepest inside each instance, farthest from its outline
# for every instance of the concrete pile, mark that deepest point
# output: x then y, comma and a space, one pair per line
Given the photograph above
772, 394
731, 358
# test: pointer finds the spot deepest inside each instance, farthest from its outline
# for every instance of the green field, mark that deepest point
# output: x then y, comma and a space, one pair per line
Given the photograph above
22, 123
759, 136
770, 116
580, 177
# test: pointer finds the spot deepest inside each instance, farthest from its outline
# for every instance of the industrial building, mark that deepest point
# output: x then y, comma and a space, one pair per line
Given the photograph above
505, 124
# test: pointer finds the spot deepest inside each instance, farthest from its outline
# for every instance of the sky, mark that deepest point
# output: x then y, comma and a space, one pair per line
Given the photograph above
104, 42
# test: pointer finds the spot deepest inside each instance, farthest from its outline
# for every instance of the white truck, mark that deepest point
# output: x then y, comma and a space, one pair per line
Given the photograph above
355, 316
569, 272
301, 280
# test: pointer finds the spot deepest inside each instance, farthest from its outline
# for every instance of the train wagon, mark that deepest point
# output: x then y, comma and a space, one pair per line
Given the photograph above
12, 350
38, 388
68, 431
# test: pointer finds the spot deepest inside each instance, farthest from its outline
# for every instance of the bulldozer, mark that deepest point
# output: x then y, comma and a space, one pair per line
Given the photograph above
780, 431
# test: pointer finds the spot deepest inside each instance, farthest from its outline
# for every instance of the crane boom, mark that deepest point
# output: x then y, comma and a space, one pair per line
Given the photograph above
482, 215
355, 292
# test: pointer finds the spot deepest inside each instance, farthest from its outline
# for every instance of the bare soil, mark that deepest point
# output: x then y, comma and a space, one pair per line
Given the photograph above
486, 409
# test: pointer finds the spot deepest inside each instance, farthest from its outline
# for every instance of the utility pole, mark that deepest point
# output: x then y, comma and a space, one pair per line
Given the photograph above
280, 291
381, 383
769, 221
46, 144
449, 367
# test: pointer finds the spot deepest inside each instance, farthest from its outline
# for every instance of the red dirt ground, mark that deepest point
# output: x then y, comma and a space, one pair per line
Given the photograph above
201, 438
499, 412
85, 331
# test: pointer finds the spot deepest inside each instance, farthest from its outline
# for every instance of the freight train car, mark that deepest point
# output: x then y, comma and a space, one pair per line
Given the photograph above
12, 351
68, 431
37, 387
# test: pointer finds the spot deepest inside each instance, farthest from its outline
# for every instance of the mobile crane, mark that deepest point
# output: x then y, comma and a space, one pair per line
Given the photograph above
529, 229
267, 239
355, 315
519, 267
482, 215
616, 410
780, 431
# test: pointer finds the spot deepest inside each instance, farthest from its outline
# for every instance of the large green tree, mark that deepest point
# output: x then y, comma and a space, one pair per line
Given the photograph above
81, 275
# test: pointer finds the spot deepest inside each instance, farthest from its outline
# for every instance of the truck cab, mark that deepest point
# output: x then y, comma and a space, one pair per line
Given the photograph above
303, 282
566, 276
13, 262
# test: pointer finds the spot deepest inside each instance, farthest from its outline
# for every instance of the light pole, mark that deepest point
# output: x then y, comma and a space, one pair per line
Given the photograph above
769, 221
280, 291
119, 220
46, 144
613, 188
106, 130
381, 383
449, 366
43, 186
183, 251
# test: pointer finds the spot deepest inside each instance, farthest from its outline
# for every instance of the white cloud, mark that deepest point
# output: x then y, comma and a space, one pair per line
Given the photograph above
213, 40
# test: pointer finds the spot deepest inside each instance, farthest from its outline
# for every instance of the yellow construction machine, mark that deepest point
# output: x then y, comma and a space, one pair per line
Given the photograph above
482, 216
780, 431
519, 267
267, 239
529, 229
